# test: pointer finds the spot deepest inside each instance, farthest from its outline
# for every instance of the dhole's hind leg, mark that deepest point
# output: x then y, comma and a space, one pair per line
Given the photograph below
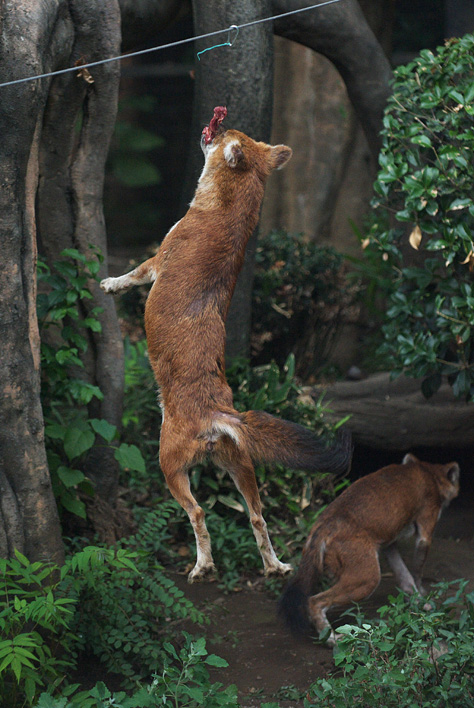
175, 464
241, 469
358, 576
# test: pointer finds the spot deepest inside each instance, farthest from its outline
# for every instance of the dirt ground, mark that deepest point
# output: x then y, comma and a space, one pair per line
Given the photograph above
265, 662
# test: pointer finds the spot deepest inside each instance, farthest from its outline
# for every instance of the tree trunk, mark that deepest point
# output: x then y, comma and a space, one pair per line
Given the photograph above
36, 38
313, 114
394, 415
70, 202
29, 520
330, 181
341, 33
241, 78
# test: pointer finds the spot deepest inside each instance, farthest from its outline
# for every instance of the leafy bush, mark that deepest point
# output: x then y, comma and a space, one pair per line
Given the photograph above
130, 609
116, 603
39, 602
410, 657
35, 629
69, 432
183, 681
424, 218
300, 300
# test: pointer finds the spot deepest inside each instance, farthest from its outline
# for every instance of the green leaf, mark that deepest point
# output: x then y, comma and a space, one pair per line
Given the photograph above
459, 204
104, 428
422, 140
214, 660
130, 457
77, 441
73, 504
55, 431
231, 502
92, 324
70, 477
23, 559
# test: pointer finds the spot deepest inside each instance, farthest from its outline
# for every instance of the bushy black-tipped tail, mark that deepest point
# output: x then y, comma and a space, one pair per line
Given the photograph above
273, 440
293, 607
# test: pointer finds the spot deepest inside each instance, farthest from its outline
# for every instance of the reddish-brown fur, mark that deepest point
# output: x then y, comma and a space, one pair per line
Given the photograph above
194, 274
368, 516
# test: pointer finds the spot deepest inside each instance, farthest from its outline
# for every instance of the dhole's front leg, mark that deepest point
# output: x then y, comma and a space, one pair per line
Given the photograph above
403, 577
142, 275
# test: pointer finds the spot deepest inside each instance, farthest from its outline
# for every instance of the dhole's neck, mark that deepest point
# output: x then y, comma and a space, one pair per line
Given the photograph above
238, 194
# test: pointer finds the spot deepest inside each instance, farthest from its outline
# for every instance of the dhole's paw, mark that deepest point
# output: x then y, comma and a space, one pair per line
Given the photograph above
333, 638
107, 285
278, 569
110, 285
201, 572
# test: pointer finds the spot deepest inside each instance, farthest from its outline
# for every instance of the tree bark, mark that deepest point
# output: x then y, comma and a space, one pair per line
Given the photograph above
323, 96
70, 201
241, 78
394, 415
37, 38
341, 33
29, 520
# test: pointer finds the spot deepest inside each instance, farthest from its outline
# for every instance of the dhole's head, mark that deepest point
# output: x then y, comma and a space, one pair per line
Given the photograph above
233, 150
446, 476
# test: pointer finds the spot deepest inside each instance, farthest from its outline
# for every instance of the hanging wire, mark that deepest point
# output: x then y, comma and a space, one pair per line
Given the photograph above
140, 52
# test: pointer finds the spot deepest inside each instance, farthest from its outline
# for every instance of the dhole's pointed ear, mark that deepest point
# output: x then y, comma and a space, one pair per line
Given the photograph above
233, 154
409, 458
452, 472
279, 156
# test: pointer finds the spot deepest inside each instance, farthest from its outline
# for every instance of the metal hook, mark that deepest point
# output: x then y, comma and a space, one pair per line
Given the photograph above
229, 43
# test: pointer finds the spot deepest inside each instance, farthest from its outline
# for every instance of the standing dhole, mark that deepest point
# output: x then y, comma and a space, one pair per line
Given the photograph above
369, 515
194, 275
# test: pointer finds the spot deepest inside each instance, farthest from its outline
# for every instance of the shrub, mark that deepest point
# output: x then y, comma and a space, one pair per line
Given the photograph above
35, 630
69, 432
300, 301
410, 657
124, 614
183, 681
424, 218
116, 603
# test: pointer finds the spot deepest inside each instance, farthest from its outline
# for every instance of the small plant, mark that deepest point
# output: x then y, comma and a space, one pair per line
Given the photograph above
423, 221
183, 682
410, 657
300, 300
69, 432
116, 602
131, 608
35, 630
38, 601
